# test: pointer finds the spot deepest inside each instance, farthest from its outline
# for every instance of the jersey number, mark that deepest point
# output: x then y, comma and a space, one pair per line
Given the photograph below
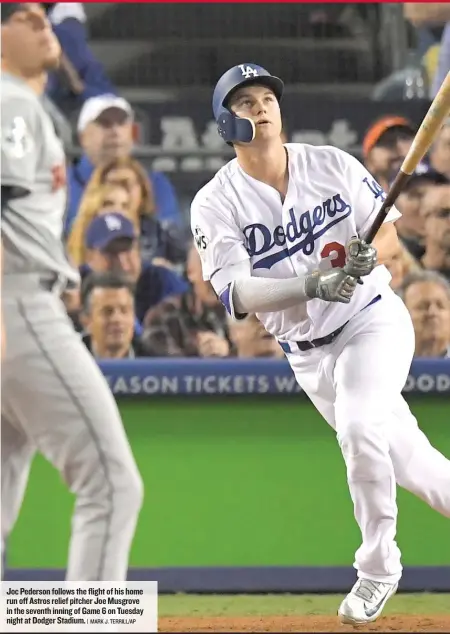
339, 254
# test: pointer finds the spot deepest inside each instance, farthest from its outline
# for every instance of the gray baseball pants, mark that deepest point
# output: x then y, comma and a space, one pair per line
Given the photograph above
55, 401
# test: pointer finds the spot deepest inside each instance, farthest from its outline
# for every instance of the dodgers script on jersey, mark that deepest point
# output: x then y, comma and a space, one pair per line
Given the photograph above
331, 197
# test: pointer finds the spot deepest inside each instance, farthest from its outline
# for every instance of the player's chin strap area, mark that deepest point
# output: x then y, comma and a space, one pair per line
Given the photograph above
234, 129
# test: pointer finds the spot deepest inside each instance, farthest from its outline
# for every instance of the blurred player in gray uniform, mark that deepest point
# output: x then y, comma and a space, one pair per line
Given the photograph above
55, 400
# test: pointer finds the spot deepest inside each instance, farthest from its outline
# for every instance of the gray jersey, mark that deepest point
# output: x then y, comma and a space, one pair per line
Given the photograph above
32, 159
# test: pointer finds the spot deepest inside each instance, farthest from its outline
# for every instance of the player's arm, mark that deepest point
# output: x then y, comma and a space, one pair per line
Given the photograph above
226, 264
18, 149
18, 161
263, 295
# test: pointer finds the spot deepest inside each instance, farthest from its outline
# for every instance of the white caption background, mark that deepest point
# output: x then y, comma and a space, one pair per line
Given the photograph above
97, 606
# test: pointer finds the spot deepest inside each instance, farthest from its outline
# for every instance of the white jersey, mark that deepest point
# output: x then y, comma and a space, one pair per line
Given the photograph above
331, 197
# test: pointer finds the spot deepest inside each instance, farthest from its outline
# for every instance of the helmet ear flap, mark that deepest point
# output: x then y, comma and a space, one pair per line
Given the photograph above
235, 129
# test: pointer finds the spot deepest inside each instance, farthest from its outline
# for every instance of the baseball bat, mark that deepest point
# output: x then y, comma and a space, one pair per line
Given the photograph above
432, 122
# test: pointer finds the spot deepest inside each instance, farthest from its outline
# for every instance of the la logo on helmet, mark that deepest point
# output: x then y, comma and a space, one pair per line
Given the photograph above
248, 71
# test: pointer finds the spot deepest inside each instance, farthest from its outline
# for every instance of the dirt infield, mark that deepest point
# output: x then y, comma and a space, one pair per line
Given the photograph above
394, 623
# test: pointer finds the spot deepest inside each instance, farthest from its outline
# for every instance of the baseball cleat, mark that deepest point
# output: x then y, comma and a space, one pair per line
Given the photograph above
365, 601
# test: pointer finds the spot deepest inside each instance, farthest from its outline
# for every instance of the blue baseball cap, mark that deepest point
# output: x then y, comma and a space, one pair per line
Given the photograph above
106, 228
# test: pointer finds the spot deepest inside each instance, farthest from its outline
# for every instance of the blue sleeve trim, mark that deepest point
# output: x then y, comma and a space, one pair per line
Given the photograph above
226, 297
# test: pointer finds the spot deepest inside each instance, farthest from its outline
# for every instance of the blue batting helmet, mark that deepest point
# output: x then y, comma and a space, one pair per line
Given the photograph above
232, 128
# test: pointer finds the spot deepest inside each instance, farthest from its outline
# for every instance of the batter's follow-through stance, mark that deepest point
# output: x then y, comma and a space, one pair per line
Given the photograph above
55, 399
276, 229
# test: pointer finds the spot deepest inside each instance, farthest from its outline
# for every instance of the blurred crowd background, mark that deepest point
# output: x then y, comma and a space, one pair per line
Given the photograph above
132, 103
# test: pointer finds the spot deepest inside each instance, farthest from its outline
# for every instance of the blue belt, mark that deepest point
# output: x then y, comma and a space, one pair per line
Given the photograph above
322, 341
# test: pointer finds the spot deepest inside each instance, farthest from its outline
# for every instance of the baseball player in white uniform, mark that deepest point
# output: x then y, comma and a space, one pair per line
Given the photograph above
55, 399
279, 233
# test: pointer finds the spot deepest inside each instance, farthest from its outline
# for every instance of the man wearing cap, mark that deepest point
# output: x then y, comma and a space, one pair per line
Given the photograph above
411, 225
55, 399
385, 145
112, 246
105, 130
276, 226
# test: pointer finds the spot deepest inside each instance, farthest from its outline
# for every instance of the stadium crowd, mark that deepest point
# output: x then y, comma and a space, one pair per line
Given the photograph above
142, 292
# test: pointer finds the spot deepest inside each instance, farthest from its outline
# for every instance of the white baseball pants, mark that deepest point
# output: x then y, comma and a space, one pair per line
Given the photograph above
356, 384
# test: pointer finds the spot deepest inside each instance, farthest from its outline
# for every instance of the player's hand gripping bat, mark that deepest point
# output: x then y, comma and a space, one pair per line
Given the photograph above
432, 122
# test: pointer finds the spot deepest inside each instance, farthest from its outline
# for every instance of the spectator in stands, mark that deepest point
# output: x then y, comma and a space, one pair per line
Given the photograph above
436, 212
158, 242
95, 201
427, 17
191, 325
427, 41
112, 246
400, 266
116, 197
411, 226
252, 340
427, 297
105, 129
440, 151
385, 145
80, 75
443, 65
108, 317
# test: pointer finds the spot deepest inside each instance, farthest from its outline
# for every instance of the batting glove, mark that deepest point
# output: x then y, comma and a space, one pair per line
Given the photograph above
331, 286
361, 257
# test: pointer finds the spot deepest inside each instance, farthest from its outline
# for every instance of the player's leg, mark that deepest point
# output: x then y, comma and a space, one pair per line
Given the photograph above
372, 365
419, 467
355, 384
16, 456
63, 402
314, 374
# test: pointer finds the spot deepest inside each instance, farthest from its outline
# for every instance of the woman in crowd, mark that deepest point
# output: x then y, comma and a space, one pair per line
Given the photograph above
160, 244
97, 199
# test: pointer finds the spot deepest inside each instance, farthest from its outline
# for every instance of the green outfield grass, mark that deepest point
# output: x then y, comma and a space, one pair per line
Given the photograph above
290, 605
